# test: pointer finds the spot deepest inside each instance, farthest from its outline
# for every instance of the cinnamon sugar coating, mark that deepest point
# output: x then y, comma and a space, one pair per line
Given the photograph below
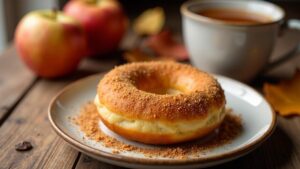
132, 90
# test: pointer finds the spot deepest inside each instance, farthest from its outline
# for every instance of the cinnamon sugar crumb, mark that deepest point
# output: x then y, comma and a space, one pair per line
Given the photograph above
88, 121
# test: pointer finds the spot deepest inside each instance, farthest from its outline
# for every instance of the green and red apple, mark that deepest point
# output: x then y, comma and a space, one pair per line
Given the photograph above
50, 43
104, 22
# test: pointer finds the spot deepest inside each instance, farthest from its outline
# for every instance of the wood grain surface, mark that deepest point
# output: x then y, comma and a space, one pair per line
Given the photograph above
15, 80
29, 122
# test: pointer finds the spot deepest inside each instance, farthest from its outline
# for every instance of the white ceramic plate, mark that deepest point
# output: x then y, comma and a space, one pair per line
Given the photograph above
257, 115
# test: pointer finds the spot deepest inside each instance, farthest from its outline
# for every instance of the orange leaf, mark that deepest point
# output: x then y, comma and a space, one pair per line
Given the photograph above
164, 45
285, 96
150, 22
136, 55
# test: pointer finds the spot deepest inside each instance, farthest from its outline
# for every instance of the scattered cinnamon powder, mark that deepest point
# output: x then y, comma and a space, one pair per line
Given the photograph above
88, 121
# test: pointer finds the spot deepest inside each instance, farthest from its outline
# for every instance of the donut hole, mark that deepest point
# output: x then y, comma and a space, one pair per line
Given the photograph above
157, 85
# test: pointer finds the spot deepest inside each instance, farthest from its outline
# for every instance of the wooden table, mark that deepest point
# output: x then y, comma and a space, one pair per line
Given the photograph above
24, 99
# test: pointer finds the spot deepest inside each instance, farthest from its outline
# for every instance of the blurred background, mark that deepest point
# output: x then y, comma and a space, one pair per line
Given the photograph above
11, 11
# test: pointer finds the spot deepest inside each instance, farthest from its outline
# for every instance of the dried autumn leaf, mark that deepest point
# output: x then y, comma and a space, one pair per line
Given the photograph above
285, 97
136, 55
150, 22
164, 45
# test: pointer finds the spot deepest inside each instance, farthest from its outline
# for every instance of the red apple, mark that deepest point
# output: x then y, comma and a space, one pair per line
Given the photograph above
103, 20
50, 43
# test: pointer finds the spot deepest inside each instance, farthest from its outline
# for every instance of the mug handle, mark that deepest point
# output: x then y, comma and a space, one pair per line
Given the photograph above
290, 24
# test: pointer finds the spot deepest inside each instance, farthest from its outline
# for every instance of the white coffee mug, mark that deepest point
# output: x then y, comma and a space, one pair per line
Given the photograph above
235, 50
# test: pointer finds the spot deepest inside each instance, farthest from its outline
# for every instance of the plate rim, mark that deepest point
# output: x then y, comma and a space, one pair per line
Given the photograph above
125, 159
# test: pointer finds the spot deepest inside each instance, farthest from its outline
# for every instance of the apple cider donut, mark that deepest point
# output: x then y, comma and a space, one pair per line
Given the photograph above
160, 102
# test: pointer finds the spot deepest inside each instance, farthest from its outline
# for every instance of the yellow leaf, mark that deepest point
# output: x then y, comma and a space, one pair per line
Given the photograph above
150, 22
285, 96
